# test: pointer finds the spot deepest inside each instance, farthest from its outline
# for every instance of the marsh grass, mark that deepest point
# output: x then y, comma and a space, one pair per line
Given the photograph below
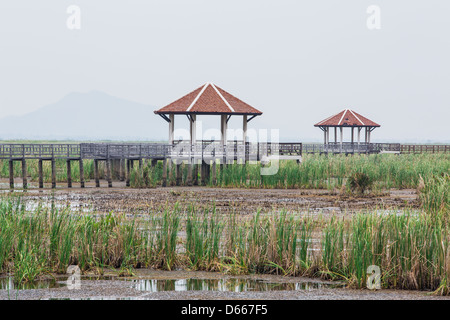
411, 248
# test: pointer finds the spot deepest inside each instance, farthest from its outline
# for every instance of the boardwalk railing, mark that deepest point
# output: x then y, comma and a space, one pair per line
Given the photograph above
39, 151
349, 147
234, 150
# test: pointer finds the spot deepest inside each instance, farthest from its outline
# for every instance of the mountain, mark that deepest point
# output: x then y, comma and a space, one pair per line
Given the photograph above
87, 116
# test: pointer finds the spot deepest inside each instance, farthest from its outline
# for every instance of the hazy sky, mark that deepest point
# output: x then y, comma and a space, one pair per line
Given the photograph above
297, 61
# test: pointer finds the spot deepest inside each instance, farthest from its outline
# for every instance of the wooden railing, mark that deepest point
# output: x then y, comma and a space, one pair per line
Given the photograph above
233, 150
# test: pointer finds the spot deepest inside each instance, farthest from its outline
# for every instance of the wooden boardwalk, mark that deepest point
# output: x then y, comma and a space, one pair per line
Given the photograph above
205, 154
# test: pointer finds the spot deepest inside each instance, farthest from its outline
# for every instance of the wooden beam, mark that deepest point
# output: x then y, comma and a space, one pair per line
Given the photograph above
69, 174
24, 174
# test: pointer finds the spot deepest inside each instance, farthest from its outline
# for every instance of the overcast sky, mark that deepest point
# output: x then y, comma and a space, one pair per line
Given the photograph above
297, 61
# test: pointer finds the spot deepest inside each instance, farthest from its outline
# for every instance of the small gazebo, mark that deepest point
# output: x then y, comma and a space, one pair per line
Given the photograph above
208, 99
347, 119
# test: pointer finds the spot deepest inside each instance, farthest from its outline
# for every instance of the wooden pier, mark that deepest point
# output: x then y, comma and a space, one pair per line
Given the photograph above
119, 158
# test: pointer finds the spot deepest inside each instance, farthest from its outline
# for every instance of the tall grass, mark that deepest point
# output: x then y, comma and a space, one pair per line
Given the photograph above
318, 172
411, 248
384, 171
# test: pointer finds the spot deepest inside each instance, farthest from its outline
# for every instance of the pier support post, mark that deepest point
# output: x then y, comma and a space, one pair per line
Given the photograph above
214, 177
127, 183
40, 174
189, 173
178, 173
96, 174
11, 174
164, 173
169, 165
195, 173
81, 173
24, 174
108, 173
122, 169
53, 173
69, 175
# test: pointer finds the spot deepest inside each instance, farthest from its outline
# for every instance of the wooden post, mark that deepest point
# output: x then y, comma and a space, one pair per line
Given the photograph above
189, 173
81, 173
53, 173
69, 174
154, 162
24, 174
96, 174
169, 165
178, 174
195, 173
41, 174
108, 172
11, 174
127, 183
164, 173
122, 169
214, 177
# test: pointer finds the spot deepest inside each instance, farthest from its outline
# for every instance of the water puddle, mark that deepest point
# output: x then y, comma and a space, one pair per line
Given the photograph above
192, 284
226, 285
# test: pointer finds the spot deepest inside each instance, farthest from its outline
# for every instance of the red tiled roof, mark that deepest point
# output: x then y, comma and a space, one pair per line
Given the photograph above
347, 118
209, 99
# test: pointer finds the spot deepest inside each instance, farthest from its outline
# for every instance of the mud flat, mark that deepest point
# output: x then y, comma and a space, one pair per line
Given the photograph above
168, 285
226, 200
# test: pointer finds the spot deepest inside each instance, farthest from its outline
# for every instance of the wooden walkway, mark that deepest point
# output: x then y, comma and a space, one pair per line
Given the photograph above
205, 154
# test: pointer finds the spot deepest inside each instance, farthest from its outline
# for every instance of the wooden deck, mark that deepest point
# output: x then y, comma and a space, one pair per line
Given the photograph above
206, 154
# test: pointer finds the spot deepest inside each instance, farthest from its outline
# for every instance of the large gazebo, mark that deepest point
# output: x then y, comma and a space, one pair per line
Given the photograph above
208, 99
347, 119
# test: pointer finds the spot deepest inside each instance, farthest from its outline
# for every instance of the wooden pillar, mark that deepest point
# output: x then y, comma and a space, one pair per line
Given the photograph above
11, 174
69, 174
81, 173
108, 172
195, 173
353, 135
335, 135
169, 165
214, 174
24, 174
324, 135
171, 128
53, 173
129, 162
40, 174
189, 173
96, 174
178, 174
154, 162
122, 169
359, 135
164, 173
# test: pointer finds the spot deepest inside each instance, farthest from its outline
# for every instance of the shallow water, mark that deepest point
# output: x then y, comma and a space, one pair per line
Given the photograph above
225, 285
192, 284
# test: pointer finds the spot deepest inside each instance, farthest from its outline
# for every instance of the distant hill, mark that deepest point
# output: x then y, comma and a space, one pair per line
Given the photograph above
87, 116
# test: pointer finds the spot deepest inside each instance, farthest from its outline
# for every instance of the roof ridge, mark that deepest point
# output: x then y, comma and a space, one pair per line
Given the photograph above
223, 98
198, 96
357, 117
343, 115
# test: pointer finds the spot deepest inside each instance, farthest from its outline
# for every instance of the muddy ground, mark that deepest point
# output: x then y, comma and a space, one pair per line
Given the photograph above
127, 289
226, 200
